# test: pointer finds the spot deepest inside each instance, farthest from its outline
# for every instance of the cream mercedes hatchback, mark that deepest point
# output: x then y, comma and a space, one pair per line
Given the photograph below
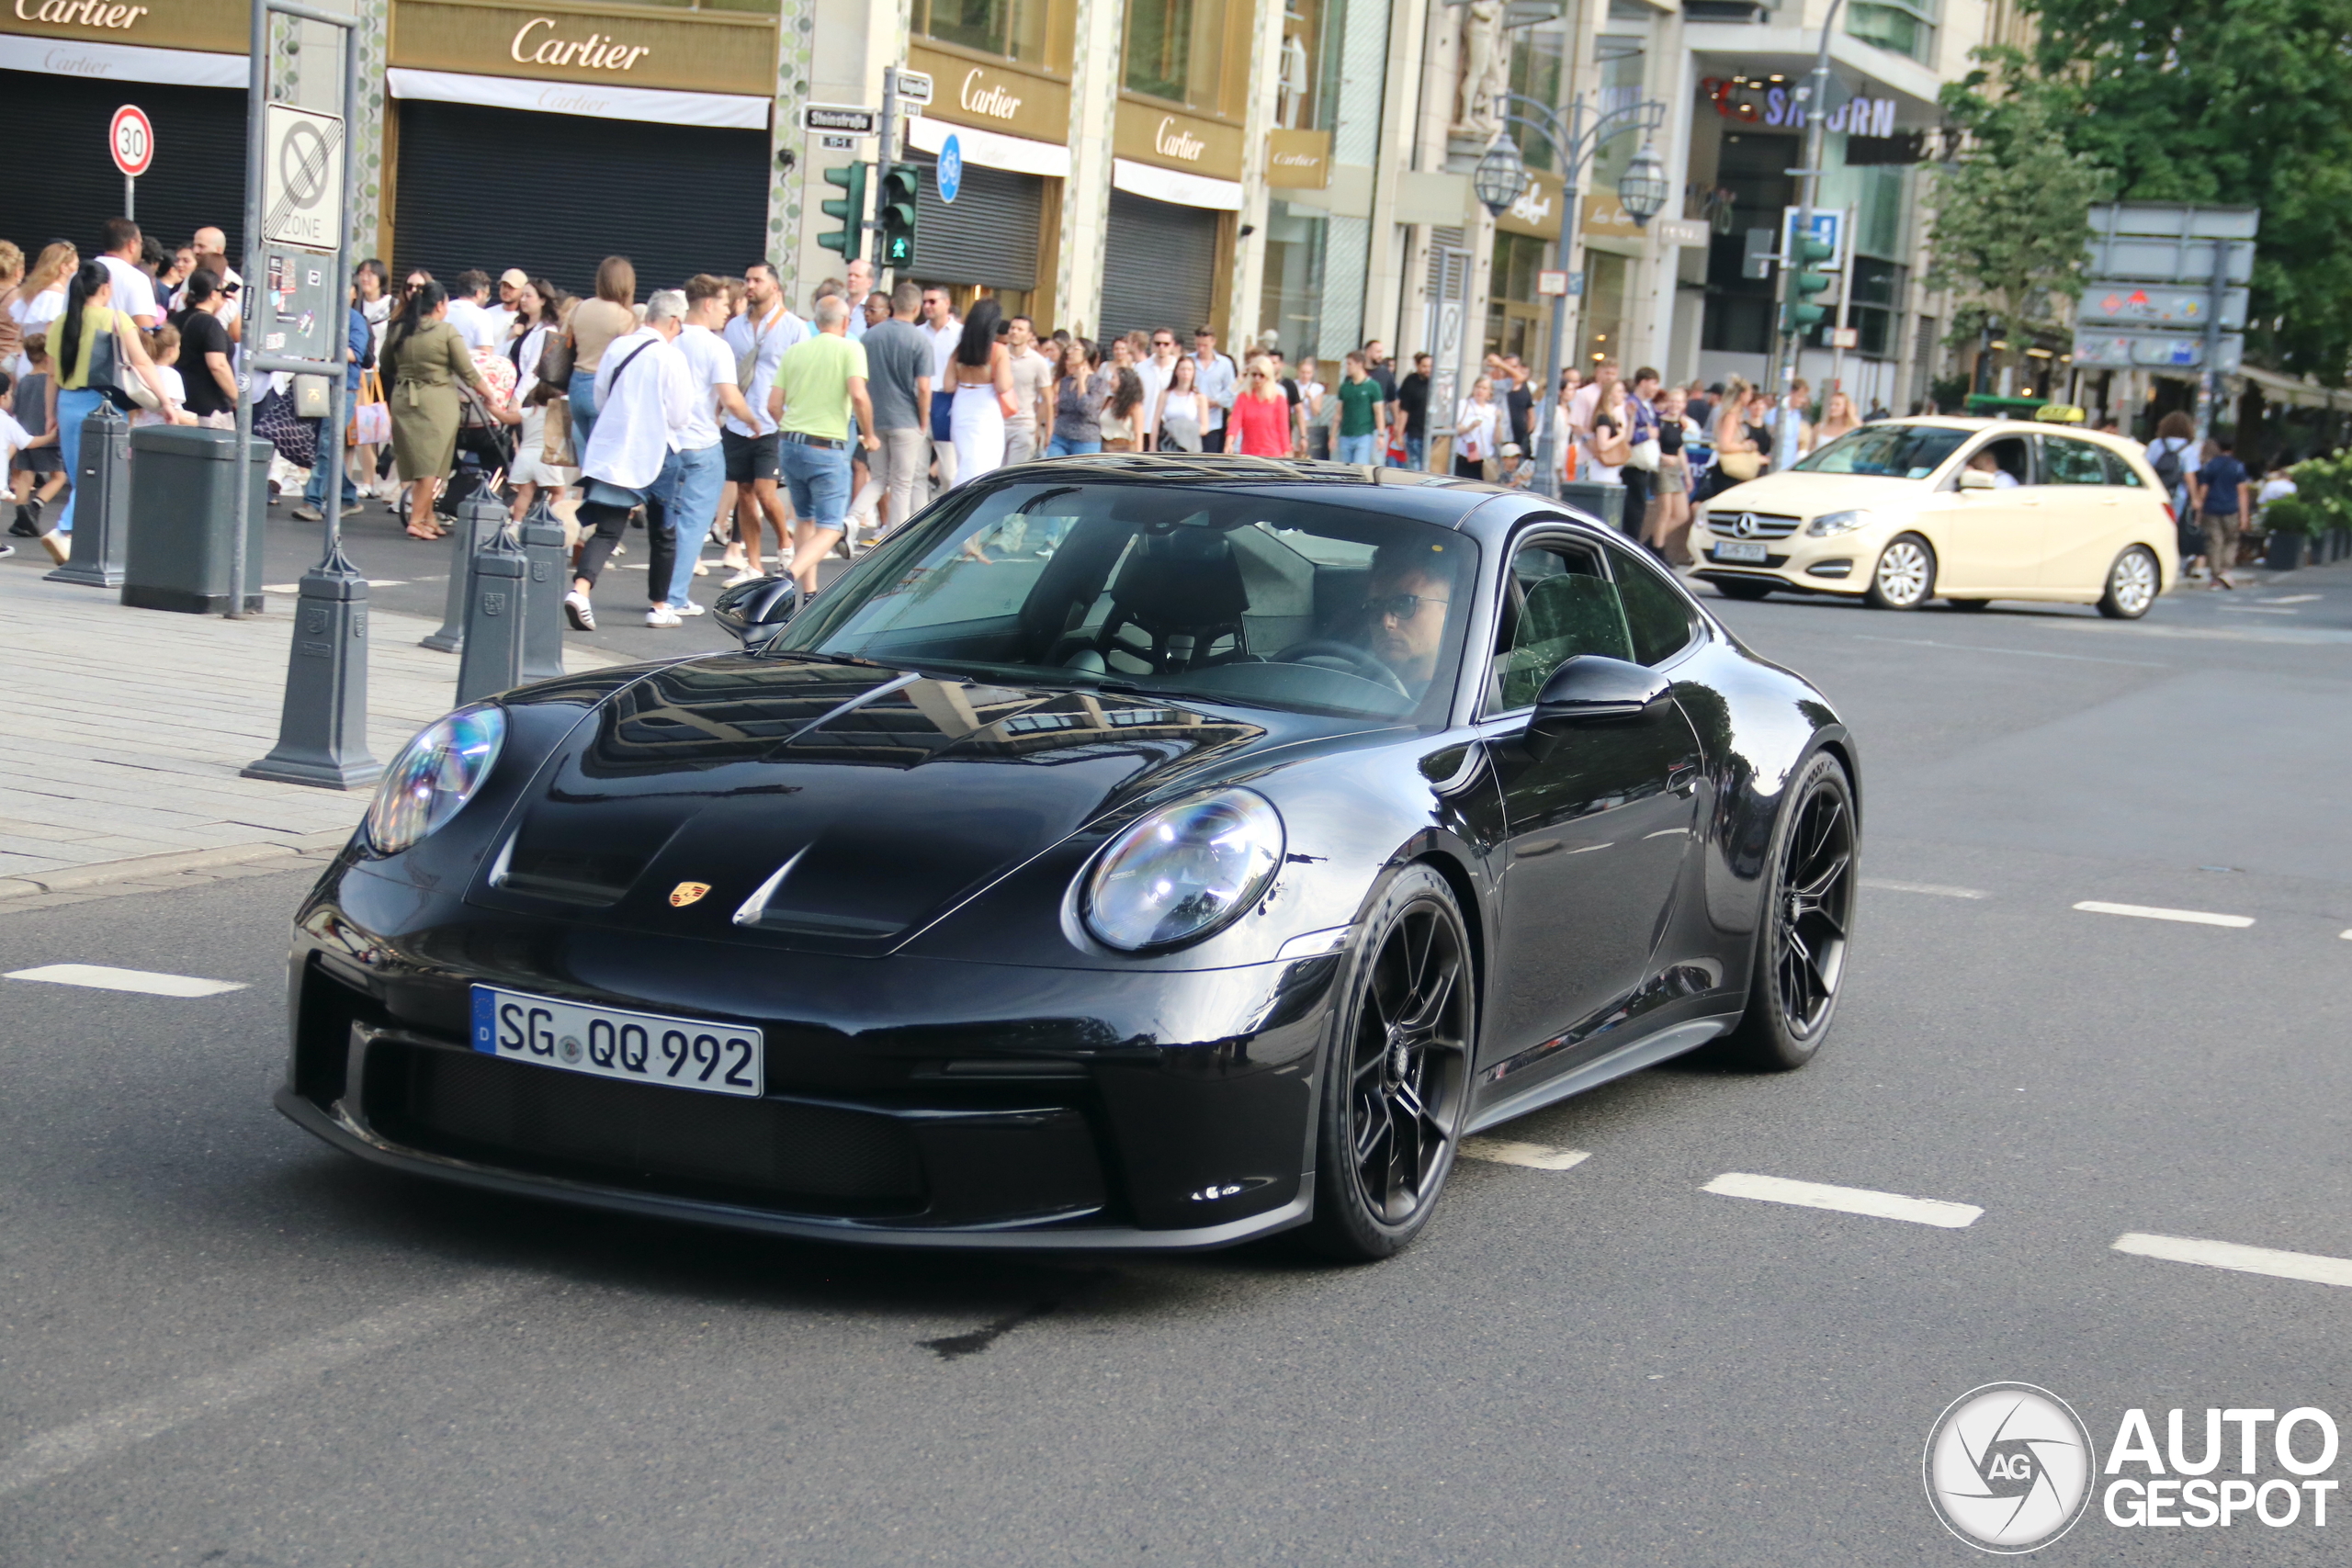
1966, 509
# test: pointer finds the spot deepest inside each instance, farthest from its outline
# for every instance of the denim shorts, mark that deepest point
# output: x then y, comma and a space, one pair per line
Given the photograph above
818, 477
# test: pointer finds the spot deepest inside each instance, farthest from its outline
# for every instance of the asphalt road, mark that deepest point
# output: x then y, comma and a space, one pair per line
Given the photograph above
222, 1343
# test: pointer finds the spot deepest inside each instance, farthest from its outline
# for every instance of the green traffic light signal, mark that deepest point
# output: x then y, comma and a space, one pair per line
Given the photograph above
851, 209
895, 209
1799, 314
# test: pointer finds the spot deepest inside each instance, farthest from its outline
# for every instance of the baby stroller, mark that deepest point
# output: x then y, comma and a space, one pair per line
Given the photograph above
485, 457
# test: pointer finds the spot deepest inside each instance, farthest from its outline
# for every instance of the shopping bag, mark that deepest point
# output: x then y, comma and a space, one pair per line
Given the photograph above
371, 416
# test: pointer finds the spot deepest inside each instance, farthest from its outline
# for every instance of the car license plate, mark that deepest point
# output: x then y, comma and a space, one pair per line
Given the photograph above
1741, 549
613, 1043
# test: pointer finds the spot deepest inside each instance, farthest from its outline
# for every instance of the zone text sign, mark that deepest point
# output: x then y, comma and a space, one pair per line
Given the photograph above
301, 192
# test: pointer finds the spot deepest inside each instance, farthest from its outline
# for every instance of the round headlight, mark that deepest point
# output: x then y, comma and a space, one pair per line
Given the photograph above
1830, 523
434, 776
1184, 871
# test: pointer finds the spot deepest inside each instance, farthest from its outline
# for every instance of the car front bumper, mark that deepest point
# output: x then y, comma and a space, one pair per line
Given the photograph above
1837, 564
908, 1101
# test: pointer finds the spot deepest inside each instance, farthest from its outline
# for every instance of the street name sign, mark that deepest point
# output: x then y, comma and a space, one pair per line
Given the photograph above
839, 119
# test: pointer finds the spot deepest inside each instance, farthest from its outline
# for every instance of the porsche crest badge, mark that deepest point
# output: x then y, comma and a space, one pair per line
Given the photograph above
687, 893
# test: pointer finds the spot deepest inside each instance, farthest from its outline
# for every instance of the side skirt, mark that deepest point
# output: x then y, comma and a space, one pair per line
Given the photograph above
1646, 1052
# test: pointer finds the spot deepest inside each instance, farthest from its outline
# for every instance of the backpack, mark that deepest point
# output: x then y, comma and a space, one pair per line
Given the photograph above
2167, 467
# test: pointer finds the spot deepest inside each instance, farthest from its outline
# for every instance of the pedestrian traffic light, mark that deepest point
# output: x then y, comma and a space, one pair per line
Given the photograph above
849, 239
895, 209
1800, 315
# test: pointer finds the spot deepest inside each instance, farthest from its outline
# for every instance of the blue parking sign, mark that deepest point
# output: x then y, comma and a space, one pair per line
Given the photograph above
1828, 227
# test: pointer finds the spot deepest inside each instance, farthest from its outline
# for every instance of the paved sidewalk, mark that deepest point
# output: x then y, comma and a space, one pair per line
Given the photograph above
127, 728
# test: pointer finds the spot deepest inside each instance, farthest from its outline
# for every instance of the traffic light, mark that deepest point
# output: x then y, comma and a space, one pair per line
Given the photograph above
1800, 315
849, 239
895, 209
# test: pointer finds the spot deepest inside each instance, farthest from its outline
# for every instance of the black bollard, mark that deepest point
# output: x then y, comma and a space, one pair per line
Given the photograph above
492, 660
543, 548
323, 733
479, 516
101, 502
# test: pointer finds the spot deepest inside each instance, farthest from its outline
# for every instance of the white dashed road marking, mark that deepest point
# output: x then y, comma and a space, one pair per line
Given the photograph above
2312, 1266
1937, 889
1846, 1200
1534, 1157
65, 1449
99, 977
2294, 599
2144, 912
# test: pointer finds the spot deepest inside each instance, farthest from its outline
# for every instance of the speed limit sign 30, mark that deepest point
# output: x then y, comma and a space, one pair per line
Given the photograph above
131, 140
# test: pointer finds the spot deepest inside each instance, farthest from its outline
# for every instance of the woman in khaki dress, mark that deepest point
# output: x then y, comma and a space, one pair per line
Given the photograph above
427, 359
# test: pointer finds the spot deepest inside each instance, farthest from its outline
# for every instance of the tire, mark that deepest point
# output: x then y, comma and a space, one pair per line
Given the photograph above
1905, 577
2133, 584
1751, 591
1396, 1073
1808, 919
1970, 604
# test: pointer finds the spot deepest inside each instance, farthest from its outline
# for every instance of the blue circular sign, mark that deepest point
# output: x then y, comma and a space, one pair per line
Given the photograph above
951, 169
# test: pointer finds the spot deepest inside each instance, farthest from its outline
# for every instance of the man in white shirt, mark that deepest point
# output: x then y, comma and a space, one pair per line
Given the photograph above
134, 291
470, 310
1156, 373
690, 503
946, 332
1033, 391
644, 403
1218, 380
861, 284
510, 283
758, 339
210, 240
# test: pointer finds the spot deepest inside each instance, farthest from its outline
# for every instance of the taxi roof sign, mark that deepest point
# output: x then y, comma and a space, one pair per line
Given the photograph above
2058, 414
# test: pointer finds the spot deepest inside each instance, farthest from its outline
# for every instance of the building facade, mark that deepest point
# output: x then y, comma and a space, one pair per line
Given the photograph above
1294, 173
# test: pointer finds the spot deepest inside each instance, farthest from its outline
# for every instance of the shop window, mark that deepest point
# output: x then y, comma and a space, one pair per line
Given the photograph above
1538, 62
1290, 302
1013, 28
1512, 316
755, 7
1603, 324
1176, 51
1624, 67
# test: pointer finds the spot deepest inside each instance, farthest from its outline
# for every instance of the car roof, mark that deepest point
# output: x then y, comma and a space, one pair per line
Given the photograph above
1427, 498
2018, 427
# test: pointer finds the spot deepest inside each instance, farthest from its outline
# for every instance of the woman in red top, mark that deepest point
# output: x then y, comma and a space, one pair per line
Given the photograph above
1262, 413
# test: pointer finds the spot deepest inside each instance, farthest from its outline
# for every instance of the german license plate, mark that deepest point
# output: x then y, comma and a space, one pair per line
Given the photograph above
1742, 551
613, 1043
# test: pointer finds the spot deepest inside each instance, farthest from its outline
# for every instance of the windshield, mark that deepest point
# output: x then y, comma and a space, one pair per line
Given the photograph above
1896, 451
1257, 597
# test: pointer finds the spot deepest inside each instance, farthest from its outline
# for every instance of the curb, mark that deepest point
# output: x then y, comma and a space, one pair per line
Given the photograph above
71, 879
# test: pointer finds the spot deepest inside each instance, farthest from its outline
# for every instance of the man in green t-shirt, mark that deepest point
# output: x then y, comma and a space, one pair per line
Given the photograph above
819, 383
1359, 401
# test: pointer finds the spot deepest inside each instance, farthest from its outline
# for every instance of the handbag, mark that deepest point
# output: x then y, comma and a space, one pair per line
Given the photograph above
557, 357
310, 396
112, 372
371, 416
555, 448
1740, 467
1645, 453
295, 438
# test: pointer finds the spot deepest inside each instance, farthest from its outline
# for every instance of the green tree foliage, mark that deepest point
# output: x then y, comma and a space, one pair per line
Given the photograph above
2233, 103
2012, 213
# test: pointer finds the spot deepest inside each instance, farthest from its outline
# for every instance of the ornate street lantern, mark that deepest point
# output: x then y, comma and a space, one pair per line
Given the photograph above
1643, 189
1500, 177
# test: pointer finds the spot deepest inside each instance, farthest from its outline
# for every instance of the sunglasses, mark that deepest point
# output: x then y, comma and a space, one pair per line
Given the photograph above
1403, 606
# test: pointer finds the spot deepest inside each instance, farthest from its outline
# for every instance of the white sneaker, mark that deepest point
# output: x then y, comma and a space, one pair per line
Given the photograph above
581, 613
662, 616
688, 609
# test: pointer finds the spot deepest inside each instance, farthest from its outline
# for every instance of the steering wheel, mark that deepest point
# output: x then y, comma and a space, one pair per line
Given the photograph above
1354, 661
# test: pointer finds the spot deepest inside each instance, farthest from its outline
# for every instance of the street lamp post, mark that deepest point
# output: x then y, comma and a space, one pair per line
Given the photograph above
1642, 191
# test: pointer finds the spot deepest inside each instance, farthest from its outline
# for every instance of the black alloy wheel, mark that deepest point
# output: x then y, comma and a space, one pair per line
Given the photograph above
1397, 1076
1807, 925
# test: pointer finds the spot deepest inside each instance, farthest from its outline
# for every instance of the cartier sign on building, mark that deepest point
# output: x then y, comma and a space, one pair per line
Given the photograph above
994, 95
708, 51
1149, 134
213, 27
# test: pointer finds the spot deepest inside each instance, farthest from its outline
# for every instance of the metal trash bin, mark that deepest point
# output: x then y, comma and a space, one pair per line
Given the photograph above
1606, 502
182, 498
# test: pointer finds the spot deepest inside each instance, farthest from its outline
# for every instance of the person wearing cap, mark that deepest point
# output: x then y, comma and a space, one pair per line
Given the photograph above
511, 283
1517, 472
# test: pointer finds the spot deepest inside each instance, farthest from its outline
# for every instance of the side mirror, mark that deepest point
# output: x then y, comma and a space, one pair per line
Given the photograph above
757, 610
1978, 479
1590, 689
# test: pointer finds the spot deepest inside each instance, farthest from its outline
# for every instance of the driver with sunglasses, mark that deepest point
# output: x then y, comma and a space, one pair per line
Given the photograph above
1404, 610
